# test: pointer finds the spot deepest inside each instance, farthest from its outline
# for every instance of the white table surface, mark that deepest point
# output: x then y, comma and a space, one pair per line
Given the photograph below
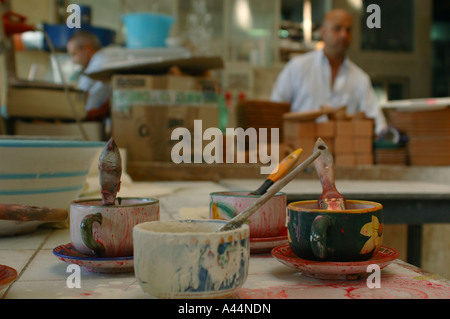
41, 275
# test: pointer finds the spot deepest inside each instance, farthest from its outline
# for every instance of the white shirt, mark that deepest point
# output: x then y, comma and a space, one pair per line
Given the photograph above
98, 91
305, 82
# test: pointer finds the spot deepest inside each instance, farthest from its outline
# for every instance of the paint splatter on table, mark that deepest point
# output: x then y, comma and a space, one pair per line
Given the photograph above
269, 279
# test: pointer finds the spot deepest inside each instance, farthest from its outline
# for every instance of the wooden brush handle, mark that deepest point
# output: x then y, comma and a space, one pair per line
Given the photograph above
282, 169
285, 165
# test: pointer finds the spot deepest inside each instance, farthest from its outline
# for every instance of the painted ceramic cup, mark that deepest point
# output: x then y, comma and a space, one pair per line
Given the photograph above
190, 258
268, 221
106, 231
353, 234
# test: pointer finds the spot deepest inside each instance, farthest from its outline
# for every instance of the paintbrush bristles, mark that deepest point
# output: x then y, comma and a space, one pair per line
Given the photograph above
330, 199
110, 171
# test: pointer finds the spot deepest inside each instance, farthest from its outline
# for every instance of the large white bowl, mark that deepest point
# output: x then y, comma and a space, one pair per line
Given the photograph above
190, 258
40, 172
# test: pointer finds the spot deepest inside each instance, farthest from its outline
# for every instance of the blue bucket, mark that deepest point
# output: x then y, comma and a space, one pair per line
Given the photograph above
60, 34
146, 30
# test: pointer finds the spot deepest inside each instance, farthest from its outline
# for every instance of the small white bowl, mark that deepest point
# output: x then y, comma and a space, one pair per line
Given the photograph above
190, 258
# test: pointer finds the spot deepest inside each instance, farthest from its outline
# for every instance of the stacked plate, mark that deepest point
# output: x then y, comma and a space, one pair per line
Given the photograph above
261, 114
394, 156
432, 122
428, 132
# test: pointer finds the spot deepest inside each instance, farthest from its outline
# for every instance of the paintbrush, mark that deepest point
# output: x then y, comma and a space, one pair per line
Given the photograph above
282, 168
330, 199
110, 171
238, 220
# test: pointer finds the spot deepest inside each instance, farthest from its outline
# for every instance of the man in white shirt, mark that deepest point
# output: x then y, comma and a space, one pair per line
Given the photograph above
84, 48
327, 77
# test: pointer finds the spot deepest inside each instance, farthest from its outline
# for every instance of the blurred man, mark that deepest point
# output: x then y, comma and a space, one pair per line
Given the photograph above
327, 77
84, 49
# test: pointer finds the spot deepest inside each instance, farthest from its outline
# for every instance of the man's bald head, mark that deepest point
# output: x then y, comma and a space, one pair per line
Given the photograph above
336, 32
82, 46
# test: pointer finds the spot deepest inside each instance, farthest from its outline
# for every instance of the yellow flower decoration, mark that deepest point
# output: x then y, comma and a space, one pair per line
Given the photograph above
374, 230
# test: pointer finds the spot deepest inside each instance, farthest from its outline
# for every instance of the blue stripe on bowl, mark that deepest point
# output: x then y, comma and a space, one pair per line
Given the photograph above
43, 175
49, 143
40, 191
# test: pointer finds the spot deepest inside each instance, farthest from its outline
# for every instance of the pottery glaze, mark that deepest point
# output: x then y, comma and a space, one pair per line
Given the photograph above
353, 234
107, 231
190, 258
268, 221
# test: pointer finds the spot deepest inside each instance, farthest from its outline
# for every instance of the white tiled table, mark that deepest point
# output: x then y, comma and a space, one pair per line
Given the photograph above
42, 275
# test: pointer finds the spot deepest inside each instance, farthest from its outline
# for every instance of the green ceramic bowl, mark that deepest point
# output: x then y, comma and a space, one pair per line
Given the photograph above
354, 234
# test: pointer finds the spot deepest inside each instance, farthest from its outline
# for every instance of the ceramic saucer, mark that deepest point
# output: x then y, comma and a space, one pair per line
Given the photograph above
351, 270
266, 244
69, 254
7, 275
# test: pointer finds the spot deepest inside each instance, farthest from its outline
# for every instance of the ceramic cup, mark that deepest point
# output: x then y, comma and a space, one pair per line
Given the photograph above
106, 231
268, 221
353, 234
190, 258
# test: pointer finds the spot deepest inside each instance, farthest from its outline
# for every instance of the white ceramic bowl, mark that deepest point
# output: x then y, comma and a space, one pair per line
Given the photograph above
40, 172
190, 258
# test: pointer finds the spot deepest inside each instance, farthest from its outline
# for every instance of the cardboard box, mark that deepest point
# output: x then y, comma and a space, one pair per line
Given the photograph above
326, 129
363, 127
44, 102
306, 143
344, 144
345, 159
146, 109
146, 132
364, 159
142, 90
345, 128
293, 129
363, 144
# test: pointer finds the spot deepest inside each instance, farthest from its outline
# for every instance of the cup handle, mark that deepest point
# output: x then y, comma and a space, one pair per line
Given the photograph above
87, 235
318, 237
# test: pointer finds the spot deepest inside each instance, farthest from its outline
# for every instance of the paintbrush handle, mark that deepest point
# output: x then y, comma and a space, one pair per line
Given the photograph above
282, 169
242, 217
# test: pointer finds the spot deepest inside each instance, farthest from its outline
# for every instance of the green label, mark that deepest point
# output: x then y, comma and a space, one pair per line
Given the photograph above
122, 100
